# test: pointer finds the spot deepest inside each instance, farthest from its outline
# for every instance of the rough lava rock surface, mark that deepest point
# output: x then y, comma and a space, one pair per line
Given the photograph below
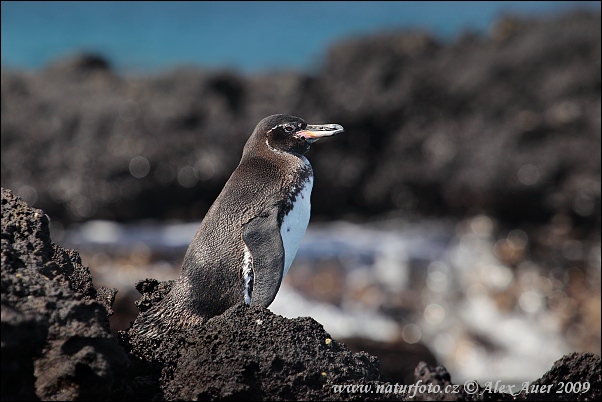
252, 354
56, 342
572, 369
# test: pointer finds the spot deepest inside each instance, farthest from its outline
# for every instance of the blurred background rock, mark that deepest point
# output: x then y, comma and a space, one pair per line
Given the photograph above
457, 220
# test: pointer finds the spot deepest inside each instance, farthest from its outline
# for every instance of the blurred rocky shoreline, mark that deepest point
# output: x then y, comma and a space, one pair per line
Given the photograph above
507, 125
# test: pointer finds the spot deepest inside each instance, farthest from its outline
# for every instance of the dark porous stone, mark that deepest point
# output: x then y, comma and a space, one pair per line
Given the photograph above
565, 374
248, 353
56, 343
574, 368
398, 359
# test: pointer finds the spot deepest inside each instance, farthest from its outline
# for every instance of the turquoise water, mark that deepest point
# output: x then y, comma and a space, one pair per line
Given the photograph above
249, 36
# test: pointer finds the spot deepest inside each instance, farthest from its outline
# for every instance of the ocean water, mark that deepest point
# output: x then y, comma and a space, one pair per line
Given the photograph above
247, 36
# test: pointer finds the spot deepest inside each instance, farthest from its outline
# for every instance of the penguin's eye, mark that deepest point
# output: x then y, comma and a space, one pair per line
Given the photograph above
288, 128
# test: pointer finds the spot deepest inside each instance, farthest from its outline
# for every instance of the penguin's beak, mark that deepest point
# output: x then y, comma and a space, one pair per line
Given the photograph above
314, 132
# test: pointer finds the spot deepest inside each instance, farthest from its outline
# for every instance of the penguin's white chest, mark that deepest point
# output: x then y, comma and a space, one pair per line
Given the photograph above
295, 223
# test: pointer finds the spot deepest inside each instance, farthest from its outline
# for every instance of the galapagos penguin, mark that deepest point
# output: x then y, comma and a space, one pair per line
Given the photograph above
250, 235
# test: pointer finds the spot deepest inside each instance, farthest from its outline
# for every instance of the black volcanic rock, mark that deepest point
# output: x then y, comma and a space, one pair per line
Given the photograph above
249, 353
56, 342
572, 369
398, 360
561, 382
506, 124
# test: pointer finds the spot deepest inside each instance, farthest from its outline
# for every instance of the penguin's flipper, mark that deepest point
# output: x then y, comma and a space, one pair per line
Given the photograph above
262, 237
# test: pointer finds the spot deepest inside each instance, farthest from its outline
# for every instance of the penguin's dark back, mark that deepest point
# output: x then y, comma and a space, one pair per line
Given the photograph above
215, 256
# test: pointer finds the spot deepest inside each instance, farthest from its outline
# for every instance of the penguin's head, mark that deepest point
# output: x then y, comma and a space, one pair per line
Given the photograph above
289, 134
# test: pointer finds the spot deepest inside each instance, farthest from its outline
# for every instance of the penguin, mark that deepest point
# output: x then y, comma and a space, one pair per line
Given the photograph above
249, 237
